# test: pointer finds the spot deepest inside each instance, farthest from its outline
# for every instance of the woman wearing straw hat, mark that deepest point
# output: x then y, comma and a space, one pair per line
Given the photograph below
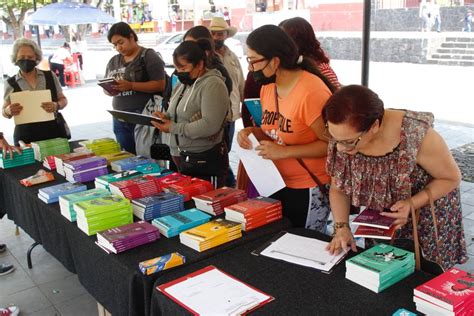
221, 31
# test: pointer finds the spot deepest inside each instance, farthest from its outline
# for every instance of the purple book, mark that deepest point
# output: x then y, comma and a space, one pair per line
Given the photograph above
136, 243
124, 243
91, 175
86, 163
126, 232
372, 218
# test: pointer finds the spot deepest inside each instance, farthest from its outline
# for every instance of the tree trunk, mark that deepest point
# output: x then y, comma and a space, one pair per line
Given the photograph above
17, 25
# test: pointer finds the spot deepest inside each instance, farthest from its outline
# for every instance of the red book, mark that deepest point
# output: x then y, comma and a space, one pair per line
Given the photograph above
192, 188
254, 206
372, 218
451, 290
373, 232
137, 187
174, 178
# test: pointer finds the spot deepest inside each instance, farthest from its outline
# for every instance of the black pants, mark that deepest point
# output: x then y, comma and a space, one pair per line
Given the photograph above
59, 70
295, 204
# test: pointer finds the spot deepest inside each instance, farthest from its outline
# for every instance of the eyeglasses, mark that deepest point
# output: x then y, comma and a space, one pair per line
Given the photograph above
346, 144
252, 62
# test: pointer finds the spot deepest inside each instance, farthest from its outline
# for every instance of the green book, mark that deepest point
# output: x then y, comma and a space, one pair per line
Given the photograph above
92, 229
380, 262
106, 216
101, 205
66, 202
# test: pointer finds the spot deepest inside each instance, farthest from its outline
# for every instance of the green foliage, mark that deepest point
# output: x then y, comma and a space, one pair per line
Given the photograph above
21, 4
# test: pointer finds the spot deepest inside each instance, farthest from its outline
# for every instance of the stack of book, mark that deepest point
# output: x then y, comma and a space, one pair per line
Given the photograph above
117, 156
103, 213
101, 146
450, 293
50, 147
136, 188
172, 225
213, 202
59, 160
192, 188
211, 234
51, 194
164, 203
104, 181
85, 170
373, 225
130, 163
66, 202
150, 168
173, 178
254, 213
26, 157
120, 239
49, 163
380, 267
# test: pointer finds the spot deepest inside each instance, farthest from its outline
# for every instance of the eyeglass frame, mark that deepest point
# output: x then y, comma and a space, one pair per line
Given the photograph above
347, 145
252, 62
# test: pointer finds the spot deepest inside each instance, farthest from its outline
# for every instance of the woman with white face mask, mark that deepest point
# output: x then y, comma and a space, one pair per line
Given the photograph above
26, 55
200, 91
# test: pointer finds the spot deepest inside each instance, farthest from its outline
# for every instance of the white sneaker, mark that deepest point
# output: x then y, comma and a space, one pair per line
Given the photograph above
10, 311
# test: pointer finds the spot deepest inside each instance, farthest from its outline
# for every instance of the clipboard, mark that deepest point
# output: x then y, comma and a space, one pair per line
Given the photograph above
258, 252
163, 289
134, 118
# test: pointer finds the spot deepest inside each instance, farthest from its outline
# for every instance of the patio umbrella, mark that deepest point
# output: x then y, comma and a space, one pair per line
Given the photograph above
69, 13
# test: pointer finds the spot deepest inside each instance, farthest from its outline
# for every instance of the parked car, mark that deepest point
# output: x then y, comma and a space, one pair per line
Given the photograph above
167, 43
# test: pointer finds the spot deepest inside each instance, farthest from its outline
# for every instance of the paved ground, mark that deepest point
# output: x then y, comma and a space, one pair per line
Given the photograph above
48, 289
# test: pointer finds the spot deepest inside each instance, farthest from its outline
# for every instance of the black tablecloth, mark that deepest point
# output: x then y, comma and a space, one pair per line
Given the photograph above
43, 222
297, 290
113, 280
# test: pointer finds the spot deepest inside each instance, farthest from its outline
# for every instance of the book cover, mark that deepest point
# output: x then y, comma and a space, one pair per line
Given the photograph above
156, 200
102, 204
254, 206
61, 189
84, 196
380, 260
372, 218
108, 84
173, 178
218, 195
130, 163
178, 222
255, 108
85, 163
118, 176
212, 229
374, 232
449, 290
126, 232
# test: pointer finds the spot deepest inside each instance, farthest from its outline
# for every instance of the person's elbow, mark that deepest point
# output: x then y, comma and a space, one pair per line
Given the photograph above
159, 85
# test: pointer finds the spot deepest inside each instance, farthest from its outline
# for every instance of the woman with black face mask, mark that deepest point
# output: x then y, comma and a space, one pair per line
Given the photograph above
196, 145
292, 131
26, 55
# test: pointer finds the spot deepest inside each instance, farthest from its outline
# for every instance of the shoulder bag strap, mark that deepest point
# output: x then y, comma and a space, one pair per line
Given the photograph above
12, 82
48, 75
318, 182
415, 217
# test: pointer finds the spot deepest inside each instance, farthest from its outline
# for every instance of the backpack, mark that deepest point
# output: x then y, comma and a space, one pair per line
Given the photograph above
166, 94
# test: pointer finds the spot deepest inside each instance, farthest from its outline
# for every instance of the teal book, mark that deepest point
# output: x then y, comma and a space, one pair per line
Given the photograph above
255, 108
172, 225
26, 157
381, 262
55, 191
66, 202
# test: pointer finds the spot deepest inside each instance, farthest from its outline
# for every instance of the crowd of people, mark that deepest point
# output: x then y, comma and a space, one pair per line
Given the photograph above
336, 147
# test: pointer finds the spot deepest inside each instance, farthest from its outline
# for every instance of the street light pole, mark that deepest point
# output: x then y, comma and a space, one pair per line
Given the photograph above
38, 38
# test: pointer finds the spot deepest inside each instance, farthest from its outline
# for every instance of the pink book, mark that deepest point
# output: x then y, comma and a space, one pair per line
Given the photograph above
452, 290
372, 218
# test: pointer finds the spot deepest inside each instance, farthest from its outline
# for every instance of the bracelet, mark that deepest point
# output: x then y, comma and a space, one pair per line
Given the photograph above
338, 225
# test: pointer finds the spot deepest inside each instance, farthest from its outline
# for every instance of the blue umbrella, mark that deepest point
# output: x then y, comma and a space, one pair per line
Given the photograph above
69, 13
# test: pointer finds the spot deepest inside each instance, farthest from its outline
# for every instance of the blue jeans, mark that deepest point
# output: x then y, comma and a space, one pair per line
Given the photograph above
230, 181
125, 135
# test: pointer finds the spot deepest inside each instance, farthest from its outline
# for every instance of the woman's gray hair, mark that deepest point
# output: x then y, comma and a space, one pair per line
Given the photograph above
26, 42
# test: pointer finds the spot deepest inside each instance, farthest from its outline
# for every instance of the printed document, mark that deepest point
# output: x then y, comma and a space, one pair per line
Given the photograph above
31, 102
264, 174
309, 252
215, 293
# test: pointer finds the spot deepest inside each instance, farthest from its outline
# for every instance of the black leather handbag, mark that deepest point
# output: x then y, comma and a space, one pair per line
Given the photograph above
209, 163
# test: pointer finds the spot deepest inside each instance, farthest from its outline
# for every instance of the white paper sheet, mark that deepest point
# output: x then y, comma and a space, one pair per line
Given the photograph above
264, 174
31, 102
215, 293
304, 251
